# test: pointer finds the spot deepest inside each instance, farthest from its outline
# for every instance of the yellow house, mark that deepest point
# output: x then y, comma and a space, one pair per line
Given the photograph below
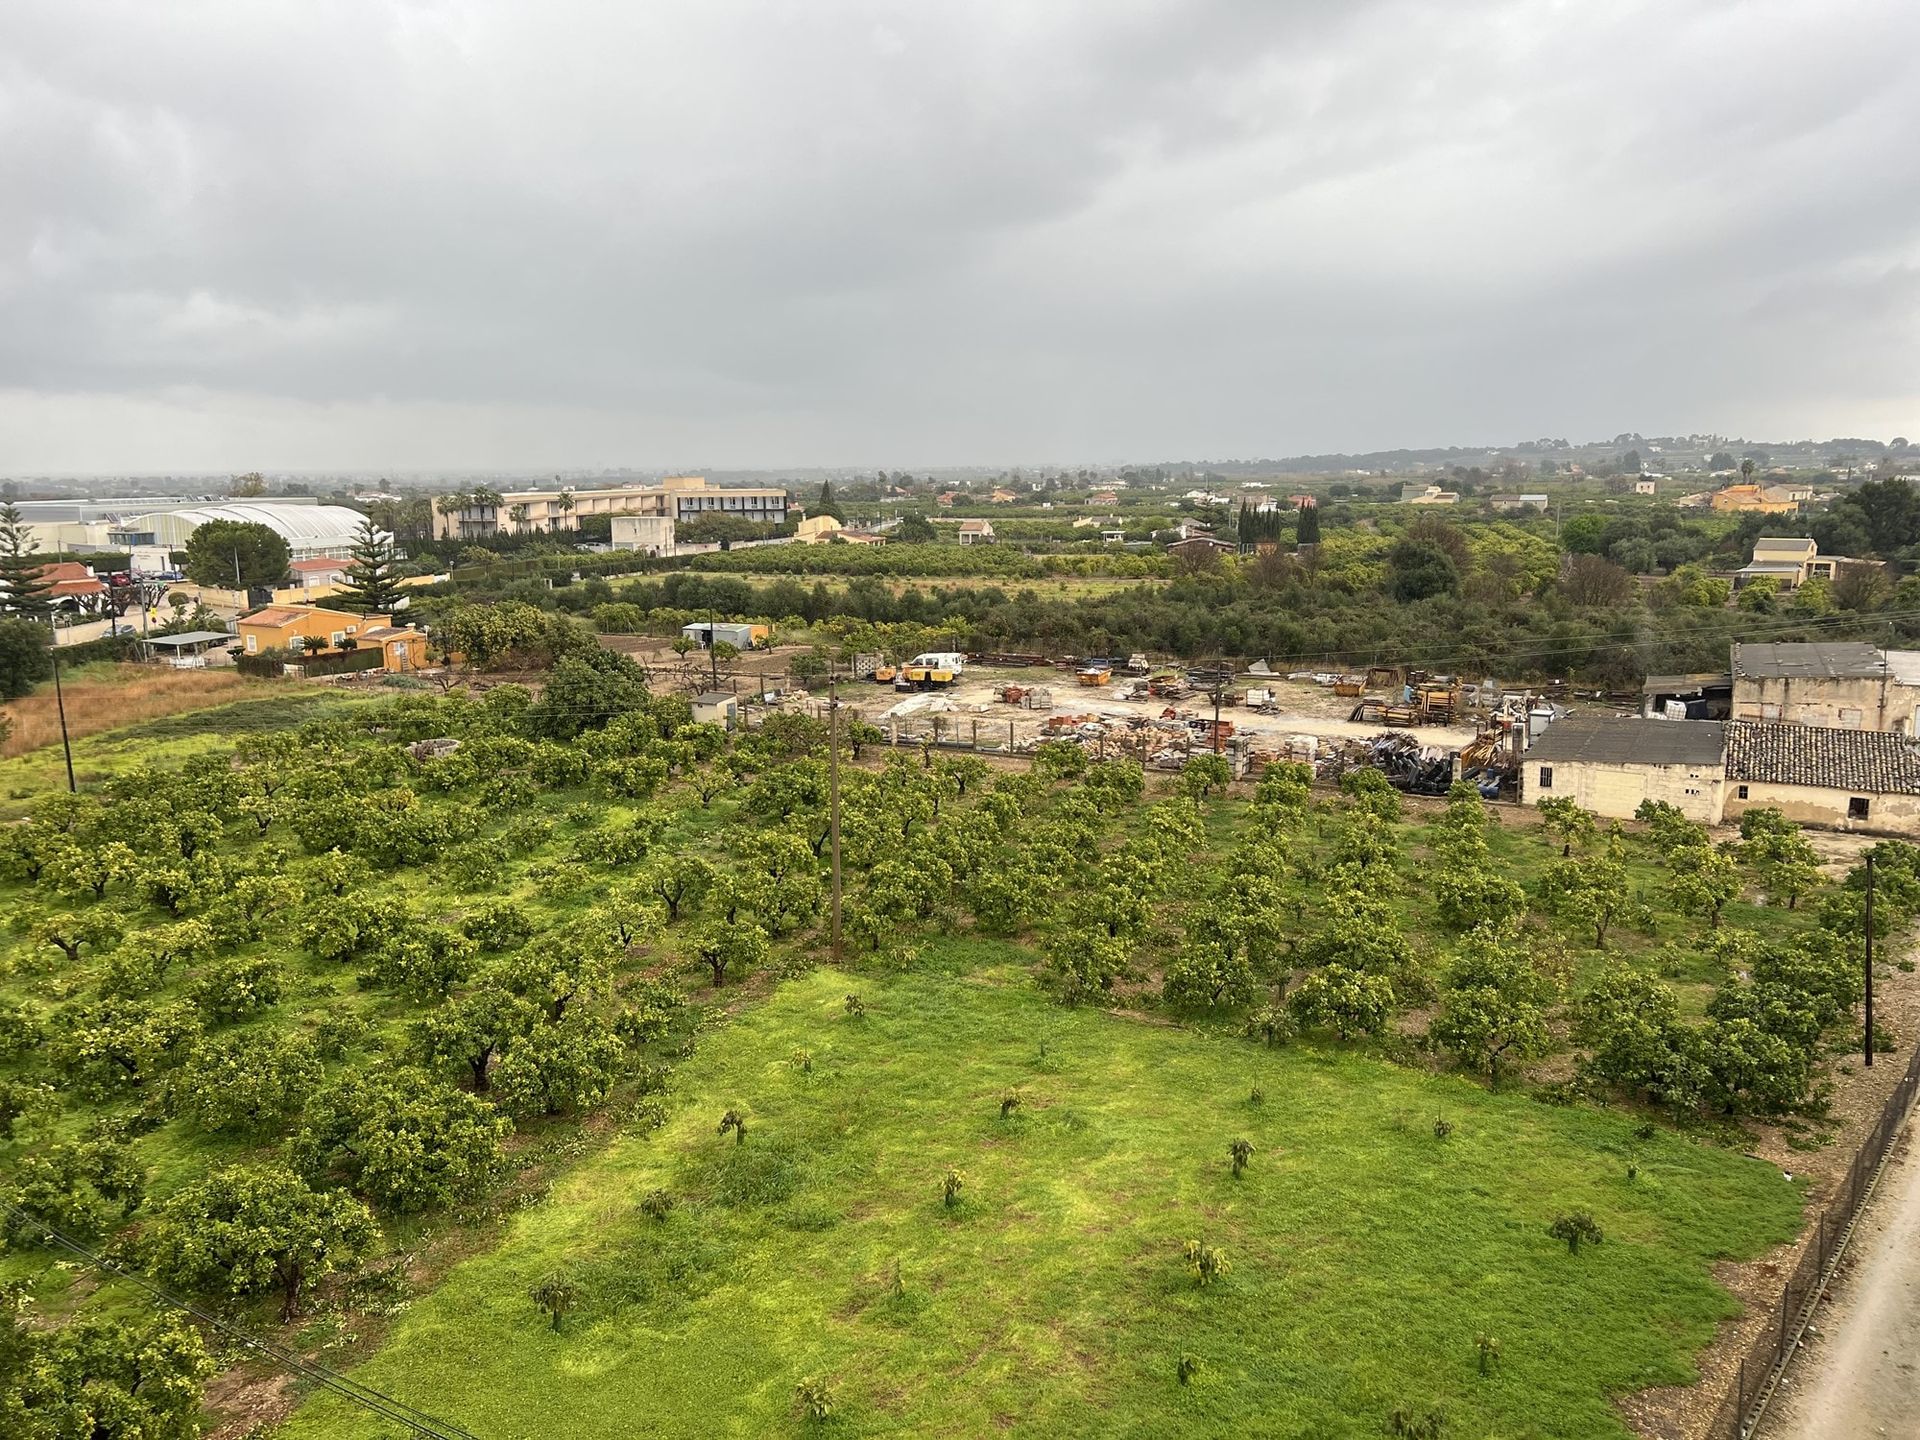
816, 528
1750, 498
308, 629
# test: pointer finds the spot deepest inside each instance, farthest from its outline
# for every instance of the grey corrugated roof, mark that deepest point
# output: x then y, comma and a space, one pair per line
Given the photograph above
1869, 761
1684, 684
713, 697
1832, 660
1606, 740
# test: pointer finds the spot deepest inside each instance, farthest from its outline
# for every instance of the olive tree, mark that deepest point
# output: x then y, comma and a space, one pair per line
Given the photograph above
1347, 1002
1701, 880
1493, 1005
1567, 822
725, 947
82, 1187
101, 1379
251, 1080
253, 1229
559, 1066
1588, 891
470, 1030
679, 880
401, 1138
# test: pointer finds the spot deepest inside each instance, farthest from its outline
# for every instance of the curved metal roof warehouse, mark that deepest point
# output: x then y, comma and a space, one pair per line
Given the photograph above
311, 531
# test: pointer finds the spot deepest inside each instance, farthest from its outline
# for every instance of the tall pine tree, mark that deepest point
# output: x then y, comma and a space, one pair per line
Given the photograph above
24, 592
371, 588
827, 505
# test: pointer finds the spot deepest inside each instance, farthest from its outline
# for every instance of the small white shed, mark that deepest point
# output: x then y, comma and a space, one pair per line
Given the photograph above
716, 707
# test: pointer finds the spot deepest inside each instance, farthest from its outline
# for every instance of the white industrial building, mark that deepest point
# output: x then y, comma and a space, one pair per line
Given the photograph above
311, 531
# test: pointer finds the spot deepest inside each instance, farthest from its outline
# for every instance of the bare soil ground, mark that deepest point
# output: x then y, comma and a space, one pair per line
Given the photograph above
1681, 1413
1859, 1373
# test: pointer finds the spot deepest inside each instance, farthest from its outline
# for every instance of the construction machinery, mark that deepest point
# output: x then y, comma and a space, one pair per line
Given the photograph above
884, 674
933, 670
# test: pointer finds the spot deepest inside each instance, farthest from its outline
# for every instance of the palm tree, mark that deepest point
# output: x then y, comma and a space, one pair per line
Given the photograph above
1747, 467
518, 515
563, 502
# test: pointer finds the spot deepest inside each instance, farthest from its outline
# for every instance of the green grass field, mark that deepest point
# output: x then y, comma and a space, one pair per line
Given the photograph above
1366, 1253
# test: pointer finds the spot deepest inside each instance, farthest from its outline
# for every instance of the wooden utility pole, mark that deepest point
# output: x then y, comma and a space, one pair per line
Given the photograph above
1867, 1042
833, 800
60, 704
1216, 719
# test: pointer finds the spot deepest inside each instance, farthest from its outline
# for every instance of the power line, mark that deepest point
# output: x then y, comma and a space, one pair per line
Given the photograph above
1704, 632
365, 1396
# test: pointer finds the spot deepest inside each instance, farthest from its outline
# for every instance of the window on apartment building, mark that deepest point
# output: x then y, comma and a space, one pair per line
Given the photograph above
1741, 791
253, 644
337, 637
1857, 808
1546, 777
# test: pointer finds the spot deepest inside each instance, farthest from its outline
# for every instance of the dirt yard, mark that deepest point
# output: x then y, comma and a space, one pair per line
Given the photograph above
1859, 1373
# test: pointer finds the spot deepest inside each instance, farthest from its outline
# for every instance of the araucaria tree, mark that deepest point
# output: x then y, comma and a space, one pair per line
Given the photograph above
24, 592
371, 587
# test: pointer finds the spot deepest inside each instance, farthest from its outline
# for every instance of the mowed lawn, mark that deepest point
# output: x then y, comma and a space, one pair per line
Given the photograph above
1366, 1253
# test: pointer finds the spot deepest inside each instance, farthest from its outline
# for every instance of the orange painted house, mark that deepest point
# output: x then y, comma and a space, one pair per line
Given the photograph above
307, 629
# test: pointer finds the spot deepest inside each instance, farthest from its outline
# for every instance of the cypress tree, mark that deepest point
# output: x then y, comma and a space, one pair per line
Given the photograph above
370, 586
23, 590
1308, 531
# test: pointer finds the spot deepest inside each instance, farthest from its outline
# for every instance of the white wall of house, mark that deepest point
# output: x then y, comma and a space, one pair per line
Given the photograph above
653, 533
1616, 791
1811, 805
1863, 704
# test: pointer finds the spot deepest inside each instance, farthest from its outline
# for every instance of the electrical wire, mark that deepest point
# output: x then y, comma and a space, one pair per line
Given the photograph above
382, 1404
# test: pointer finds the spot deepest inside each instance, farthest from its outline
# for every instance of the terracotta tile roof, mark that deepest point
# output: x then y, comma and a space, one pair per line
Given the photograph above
274, 615
1873, 762
316, 566
288, 614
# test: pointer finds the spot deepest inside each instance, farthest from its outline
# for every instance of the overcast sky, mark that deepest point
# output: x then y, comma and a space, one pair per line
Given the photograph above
241, 234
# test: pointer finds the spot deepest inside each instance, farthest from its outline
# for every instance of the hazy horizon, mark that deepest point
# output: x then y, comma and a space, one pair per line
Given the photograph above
409, 237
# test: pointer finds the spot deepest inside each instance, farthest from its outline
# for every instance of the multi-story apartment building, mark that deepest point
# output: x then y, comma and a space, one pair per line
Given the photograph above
477, 514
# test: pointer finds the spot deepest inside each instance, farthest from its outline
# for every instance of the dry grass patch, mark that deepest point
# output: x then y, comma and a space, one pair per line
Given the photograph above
104, 697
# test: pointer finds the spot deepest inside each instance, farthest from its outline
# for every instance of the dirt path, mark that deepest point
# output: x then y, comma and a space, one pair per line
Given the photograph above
1859, 1373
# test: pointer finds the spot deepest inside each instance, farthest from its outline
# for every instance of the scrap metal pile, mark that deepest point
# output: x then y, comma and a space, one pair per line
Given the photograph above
1415, 768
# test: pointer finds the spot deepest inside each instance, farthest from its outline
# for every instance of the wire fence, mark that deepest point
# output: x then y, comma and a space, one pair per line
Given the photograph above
1788, 1319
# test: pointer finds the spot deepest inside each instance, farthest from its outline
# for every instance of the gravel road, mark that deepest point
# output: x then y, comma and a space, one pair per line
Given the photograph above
1859, 1375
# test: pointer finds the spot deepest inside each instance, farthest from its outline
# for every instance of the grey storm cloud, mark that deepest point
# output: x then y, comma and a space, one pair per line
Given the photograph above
239, 233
